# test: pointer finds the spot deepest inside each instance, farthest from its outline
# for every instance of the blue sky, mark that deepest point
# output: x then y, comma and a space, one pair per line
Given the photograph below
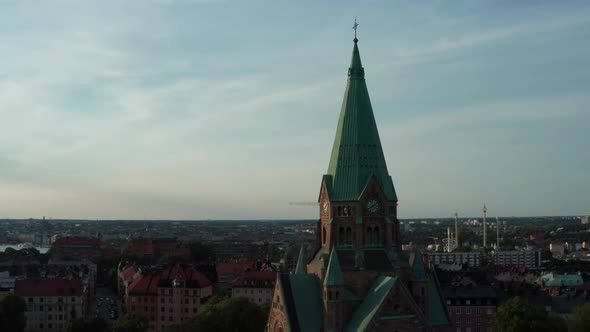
227, 109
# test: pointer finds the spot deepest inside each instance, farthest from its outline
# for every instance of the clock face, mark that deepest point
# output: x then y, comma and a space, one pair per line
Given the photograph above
373, 206
325, 206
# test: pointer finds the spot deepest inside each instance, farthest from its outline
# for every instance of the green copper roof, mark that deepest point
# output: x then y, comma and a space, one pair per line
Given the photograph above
301, 267
437, 310
334, 275
363, 316
418, 269
357, 154
308, 304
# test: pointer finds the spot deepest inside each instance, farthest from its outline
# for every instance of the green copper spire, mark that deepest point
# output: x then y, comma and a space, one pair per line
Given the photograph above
334, 275
357, 154
301, 267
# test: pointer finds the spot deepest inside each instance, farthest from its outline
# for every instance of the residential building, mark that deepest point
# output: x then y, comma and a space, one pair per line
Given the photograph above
227, 272
358, 279
256, 286
51, 303
168, 296
530, 259
471, 309
470, 258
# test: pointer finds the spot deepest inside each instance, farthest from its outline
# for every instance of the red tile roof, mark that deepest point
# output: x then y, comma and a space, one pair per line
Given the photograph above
129, 272
148, 283
234, 268
48, 287
145, 285
190, 275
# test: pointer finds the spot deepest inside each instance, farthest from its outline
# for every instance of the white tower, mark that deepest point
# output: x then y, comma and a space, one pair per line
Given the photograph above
485, 210
449, 245
497, 233
456, 231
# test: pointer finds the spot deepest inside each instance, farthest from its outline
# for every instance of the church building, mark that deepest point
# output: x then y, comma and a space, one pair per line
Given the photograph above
359, 279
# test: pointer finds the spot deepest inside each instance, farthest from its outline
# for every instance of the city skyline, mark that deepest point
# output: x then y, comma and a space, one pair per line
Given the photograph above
218, 110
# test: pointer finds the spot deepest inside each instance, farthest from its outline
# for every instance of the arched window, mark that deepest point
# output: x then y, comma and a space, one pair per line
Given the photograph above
329, 295
324, 235
369, 236
339, 210
348, 235
341, 239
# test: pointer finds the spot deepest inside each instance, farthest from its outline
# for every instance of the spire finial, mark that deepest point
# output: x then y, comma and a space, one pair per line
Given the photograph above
355, 27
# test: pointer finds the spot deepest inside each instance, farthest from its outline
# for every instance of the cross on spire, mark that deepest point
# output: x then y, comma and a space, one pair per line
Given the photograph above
355, 27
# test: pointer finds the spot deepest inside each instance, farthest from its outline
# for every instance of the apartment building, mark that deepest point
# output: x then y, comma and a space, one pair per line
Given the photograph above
256, 286
471, 309
51, 303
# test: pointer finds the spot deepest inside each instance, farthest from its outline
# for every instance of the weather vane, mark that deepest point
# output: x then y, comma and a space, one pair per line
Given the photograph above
355, 26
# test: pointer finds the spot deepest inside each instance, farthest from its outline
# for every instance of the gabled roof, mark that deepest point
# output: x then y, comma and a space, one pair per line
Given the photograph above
357, 154
301, 267
334, 275
363, 316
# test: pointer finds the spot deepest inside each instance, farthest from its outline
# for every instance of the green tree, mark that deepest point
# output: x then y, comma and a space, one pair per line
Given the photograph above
580, 319
131, 322
517, 315
226, 314
12, 313
95, 325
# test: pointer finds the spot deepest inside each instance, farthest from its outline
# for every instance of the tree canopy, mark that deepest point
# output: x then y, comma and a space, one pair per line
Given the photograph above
226, 314
580, 319
95, 325
517, 315
12, 313
131, 322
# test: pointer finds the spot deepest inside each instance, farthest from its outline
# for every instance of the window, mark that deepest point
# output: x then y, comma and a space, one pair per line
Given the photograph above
194, 301
163, 309
30, 300
170, 292
61, 317
186, 310
458, 310
162, 300
185, 301
468, 302
49, 317
169, 318
40, 308
41, 326
478, 311
468, 311
41, 299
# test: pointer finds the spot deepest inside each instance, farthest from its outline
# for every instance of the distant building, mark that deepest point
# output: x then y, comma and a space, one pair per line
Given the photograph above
530, 259
470, 258
557, 249
148, 247
585, 220
256, 286
76, 248
554, 283
169, 296
51, 303
227, 272
471, 308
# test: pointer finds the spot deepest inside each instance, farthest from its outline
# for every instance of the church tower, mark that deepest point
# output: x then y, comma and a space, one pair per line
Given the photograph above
358, 203
358, 279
